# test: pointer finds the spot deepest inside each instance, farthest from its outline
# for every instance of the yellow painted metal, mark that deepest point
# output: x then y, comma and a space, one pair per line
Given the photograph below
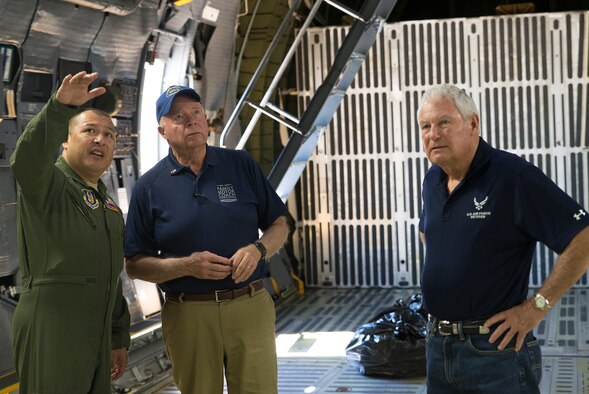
181, 2
10, 389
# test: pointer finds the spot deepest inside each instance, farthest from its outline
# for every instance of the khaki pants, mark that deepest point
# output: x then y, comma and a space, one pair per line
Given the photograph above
203, 338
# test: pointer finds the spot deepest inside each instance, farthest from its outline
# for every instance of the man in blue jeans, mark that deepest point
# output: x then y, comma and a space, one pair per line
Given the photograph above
483, 212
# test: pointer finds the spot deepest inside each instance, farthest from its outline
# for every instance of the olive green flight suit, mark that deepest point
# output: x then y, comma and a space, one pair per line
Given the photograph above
71, 312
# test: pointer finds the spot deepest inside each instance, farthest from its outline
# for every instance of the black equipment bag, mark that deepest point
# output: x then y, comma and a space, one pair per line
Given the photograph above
392, 343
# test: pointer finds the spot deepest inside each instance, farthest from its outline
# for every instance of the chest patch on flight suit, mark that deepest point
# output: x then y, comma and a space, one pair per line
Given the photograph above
110, 204
90, 199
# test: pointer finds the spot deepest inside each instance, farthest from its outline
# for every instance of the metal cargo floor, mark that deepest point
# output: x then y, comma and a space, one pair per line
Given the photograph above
313, 331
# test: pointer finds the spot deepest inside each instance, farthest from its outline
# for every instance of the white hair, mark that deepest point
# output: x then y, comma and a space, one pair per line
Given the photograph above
463, 102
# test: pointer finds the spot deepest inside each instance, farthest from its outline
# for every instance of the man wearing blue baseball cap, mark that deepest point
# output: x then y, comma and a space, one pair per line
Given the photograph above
192, 228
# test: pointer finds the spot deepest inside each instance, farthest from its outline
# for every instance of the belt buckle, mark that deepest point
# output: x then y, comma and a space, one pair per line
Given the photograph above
484, 330
217, 292
446, 323
252, 289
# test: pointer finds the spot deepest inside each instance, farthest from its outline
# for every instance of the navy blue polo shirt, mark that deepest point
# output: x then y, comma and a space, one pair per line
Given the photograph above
480, 240
173, 213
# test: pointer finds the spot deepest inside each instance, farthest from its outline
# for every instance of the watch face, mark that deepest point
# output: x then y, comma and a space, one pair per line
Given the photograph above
541, 303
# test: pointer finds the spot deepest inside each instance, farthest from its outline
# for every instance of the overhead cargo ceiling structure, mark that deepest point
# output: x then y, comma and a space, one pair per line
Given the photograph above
117, 7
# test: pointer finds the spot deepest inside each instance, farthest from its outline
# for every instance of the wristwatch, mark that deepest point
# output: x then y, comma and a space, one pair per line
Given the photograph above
541, 303
261, 248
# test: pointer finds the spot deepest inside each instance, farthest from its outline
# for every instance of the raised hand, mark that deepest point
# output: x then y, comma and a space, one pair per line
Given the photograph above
74, 90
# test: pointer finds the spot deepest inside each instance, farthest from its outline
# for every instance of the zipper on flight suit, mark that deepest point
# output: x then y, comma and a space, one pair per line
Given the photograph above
108, 281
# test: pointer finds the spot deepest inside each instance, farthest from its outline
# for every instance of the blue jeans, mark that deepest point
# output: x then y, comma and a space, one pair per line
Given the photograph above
473, 365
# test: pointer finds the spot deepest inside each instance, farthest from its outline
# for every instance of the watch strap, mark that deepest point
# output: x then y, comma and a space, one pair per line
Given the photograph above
261, 248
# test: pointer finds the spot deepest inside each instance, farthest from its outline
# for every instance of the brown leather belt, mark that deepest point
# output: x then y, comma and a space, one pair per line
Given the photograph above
219, 295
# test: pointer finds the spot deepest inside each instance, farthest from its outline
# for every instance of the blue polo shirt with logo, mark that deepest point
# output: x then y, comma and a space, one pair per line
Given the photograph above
173, 213
480, 239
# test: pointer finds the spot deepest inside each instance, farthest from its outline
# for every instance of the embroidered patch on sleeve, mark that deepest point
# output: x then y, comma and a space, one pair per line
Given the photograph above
110, 204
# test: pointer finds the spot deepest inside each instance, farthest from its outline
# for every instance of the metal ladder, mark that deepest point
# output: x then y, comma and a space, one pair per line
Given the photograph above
307, 130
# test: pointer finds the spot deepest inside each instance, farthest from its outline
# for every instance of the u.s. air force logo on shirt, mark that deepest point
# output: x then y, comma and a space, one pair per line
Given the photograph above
90, 198
479, 205
226, 193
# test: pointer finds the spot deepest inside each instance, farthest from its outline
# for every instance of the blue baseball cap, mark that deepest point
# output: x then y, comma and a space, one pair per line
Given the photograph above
164, 102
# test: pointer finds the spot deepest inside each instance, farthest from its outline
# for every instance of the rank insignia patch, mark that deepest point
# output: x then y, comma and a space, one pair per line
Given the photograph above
90, 199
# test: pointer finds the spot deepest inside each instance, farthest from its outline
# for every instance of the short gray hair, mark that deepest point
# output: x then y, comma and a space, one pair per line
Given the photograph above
463, 102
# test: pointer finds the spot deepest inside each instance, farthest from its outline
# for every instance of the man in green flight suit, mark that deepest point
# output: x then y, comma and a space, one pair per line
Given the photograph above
71, 325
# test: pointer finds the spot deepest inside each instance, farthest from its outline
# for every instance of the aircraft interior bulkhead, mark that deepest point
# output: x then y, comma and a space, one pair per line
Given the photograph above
323, 95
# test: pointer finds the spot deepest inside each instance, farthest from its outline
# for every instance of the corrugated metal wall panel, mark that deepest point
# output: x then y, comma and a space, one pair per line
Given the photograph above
63, 30
49, 39
119, 43
361, 193
14, 19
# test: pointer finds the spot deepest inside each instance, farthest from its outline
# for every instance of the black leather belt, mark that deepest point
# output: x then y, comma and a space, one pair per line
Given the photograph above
465, 327
219, 295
